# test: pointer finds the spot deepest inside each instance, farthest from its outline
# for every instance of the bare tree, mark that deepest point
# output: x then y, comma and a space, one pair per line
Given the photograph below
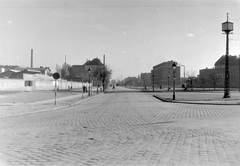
65, 70
202, 82
213, 78
191, 73
58, 68
102, 74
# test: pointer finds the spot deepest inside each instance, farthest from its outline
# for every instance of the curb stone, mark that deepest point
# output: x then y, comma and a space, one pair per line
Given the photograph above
52, 109
194, 102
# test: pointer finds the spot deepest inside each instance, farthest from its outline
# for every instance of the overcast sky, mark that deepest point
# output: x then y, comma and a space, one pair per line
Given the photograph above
134, 35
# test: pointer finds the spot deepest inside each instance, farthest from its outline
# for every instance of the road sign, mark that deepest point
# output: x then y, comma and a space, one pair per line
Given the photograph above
56, 76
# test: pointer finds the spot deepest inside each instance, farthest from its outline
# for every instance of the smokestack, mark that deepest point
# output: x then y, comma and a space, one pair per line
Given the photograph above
31, 58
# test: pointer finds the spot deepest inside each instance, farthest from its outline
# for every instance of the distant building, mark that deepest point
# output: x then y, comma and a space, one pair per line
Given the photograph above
41, 70
93, 64
17, 72
163, 75
7, 74
80, 72
4, 68
146, 79
215, 77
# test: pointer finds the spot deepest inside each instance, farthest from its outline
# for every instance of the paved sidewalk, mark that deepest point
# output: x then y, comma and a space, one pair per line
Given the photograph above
204, 97
21, 103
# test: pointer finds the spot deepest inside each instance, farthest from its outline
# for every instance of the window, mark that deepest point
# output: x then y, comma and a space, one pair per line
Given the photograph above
28, 83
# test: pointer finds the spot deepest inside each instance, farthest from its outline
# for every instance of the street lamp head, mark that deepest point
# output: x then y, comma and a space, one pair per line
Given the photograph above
89, 70
174, 65
227, 26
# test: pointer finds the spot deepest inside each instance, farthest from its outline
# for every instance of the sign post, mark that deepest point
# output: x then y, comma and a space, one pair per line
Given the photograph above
56, 76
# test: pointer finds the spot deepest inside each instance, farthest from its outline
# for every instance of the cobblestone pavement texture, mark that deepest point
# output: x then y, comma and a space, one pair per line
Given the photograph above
21, 103
124, 129
202, 97
20, 97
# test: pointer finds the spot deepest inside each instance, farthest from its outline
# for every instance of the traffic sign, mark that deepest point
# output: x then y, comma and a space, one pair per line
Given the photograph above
56, 76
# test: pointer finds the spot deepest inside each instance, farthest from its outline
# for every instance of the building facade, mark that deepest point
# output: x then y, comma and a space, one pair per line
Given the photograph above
146, 79
215, 77
163, 75
81, 72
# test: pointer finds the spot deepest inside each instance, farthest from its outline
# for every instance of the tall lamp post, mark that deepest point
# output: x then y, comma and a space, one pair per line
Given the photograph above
89, 70
168, 83
191, 82
239, 72
97, 82
174, 66
227, 27
144, 83
153, 81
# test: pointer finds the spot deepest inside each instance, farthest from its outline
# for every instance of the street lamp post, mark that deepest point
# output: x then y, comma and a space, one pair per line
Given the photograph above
144, 83
239, 72
153, 82
89, 70
227, 27
174, 66
97, 82
168, 83
191, 82
130, 82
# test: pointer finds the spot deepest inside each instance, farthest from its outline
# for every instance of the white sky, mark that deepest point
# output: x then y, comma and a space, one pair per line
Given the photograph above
134, 35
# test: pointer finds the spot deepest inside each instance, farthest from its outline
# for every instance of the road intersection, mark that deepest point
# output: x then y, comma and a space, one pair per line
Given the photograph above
127, 128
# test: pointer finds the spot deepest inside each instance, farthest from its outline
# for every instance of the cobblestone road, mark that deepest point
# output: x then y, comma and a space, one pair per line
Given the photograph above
124, 129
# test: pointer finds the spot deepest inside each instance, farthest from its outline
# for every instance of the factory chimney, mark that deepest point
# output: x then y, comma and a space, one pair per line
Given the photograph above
31, 58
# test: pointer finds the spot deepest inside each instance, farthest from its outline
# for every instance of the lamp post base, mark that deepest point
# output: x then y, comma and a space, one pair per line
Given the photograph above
226, 93
226, 96
173, 97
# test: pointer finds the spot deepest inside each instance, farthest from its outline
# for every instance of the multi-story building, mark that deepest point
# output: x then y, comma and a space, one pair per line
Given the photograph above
146, 79
80, 72
163, 75
215, 77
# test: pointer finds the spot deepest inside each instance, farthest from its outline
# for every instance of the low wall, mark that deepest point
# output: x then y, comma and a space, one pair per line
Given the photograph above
32, 85
12, 85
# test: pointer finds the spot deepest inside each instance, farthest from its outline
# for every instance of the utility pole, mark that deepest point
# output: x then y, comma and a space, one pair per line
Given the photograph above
31, 58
